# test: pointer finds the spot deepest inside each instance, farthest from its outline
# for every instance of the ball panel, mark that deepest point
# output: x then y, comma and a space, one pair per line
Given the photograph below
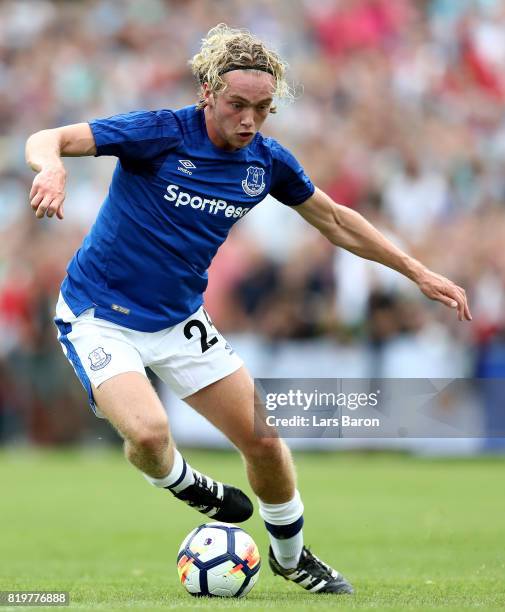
209, 543
189, 574
225, 579
246, 549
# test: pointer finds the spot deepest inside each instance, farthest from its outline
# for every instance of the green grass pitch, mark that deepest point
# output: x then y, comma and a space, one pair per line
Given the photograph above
409, 533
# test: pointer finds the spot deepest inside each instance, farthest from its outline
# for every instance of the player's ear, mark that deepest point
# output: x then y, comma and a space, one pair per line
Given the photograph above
207, 95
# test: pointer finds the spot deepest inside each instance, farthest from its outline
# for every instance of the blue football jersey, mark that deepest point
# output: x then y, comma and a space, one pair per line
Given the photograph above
172, 200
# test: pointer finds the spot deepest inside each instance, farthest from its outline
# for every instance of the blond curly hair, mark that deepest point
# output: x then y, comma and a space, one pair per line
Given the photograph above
225, 49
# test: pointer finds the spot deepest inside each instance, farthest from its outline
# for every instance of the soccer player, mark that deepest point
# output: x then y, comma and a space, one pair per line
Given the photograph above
132, 297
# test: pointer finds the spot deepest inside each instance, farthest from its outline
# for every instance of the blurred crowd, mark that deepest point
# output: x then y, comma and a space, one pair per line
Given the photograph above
400, 114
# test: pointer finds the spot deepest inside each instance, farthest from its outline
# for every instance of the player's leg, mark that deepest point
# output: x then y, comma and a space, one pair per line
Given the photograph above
229, 405
132, 406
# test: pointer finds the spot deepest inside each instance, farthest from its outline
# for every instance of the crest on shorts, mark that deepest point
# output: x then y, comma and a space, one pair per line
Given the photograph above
99, 358
254, 182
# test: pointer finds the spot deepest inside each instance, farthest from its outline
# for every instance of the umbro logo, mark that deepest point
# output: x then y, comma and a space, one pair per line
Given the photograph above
186, 166
187, 163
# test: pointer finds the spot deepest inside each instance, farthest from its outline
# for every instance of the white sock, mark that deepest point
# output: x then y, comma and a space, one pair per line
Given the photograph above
179, 478
284, 524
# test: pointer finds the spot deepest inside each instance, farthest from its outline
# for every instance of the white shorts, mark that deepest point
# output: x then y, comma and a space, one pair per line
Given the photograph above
187, 356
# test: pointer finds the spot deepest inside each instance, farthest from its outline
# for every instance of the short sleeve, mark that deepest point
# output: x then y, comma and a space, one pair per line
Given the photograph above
290, 185
141, 135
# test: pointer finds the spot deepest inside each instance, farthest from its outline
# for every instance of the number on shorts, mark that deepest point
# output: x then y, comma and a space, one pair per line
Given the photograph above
203, 333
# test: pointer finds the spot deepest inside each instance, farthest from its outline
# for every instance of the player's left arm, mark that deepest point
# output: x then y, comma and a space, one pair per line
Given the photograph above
348, 229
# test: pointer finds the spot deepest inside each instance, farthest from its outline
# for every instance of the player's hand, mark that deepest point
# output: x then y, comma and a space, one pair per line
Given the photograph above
437, 287
48, 191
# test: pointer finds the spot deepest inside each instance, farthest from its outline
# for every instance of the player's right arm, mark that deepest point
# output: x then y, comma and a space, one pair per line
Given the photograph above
44, 151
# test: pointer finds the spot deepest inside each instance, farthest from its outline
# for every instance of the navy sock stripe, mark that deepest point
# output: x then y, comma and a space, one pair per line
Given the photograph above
181, 477
283, 532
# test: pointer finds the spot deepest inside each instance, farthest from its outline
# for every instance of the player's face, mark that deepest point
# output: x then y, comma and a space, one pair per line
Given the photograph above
234, 115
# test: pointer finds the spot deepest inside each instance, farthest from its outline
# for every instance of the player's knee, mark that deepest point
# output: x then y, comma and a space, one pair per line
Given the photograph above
262, 449
152, 436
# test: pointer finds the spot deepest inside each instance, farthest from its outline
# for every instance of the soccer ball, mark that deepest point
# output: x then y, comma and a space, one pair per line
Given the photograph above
218, 559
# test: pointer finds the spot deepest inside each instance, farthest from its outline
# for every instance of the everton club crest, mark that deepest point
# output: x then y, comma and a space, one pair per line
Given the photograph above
254, 182
99, 358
